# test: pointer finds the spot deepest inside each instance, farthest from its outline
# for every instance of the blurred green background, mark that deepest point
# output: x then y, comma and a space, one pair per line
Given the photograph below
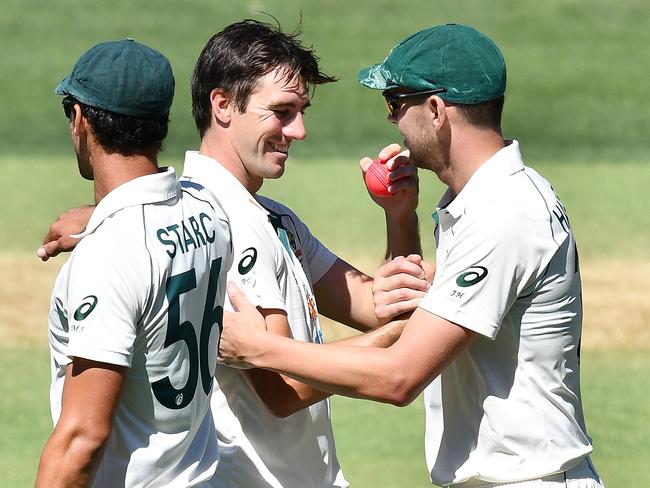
577, 69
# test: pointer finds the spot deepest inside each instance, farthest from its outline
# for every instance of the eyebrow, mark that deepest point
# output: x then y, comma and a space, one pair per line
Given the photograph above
281, 105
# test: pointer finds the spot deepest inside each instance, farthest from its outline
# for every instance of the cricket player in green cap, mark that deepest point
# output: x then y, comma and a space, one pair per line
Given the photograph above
495, 342
136, 311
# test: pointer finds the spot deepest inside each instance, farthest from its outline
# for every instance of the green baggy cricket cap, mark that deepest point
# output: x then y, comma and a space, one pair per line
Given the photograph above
124, 76
458, 58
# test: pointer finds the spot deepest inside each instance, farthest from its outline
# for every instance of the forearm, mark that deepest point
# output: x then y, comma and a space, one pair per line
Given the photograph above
360, 372
383, 336
344, 294
90, 395
281, 394
402, 236
284, 395
67, 461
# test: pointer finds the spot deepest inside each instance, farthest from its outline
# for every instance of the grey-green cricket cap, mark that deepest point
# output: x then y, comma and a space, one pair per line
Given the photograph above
124, 76
458, 58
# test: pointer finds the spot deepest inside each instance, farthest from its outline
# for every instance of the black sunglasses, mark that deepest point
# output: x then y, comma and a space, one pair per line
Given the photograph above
394, 101
68, 106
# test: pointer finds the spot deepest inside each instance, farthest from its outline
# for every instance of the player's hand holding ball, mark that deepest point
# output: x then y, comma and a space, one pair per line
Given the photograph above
377, 178
392, 181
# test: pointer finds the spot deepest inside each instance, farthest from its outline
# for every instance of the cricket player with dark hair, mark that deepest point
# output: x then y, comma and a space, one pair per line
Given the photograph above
136, 311
495, 343
250, 92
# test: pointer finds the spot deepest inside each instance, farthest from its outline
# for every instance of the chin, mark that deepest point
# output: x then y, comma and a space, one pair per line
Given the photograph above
276, 167
276, 174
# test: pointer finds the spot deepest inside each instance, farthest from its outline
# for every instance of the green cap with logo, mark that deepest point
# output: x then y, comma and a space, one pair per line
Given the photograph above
458, 58
125, 77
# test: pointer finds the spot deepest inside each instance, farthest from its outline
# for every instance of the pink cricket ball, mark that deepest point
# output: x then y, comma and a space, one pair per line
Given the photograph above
377, 179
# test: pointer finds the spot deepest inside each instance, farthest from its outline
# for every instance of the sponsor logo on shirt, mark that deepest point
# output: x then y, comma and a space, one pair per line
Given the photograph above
473, 275
247, 261
87, 306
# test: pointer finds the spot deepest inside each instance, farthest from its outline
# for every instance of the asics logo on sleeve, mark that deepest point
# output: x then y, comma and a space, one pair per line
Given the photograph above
84, 310
473, 275
248, 261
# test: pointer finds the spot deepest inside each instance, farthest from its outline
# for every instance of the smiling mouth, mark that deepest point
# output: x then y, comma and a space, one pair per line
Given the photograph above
282, 148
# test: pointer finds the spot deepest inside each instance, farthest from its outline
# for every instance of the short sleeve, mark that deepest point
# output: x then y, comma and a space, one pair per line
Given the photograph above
483, 271
318, 257
109, 284
256, 265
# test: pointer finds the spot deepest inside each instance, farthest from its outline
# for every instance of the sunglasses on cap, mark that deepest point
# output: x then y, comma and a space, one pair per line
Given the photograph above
394, 101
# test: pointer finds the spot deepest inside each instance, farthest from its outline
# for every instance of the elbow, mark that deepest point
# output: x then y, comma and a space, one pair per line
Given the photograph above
90, 443
84, 441
400, 391
402, 397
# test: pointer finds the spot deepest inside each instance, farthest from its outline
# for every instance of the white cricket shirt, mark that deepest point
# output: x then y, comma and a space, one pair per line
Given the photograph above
144, 289
276, 261
509, 407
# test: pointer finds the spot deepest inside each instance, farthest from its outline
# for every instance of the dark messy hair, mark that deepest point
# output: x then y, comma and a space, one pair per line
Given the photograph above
485, 115
238, 56
123, 134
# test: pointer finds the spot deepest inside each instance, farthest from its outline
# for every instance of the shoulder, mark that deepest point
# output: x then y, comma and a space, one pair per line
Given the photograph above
282, 217
520, 199
275, 207
118, 247
124, 228
195, 194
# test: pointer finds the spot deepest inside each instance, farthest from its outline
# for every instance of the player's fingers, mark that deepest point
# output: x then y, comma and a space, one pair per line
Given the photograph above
400, 281
399, 265
400, 159
50, 249
389, 152
415, 258
394, 309
52, 235
41, 253
403, 184
399, 295
364, 163
402, 172
429, 270
238, 300
55, 247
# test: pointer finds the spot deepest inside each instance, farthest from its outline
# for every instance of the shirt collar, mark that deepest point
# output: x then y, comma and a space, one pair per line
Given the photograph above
507, 161
220, 181
155, 188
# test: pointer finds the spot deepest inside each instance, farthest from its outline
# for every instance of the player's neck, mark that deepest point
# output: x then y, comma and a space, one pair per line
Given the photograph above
468, 153
113, 170
223, 152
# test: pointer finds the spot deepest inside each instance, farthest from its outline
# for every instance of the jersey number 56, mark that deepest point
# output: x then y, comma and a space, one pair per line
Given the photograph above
199, 353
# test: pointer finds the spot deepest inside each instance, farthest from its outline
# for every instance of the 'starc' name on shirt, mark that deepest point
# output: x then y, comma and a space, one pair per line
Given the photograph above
190, 234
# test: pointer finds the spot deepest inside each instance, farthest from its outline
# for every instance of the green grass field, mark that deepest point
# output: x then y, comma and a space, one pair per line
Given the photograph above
378, 445
576, 100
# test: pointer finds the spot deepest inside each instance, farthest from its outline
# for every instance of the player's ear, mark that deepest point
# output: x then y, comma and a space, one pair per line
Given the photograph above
77, 121
438, 111
222, 105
